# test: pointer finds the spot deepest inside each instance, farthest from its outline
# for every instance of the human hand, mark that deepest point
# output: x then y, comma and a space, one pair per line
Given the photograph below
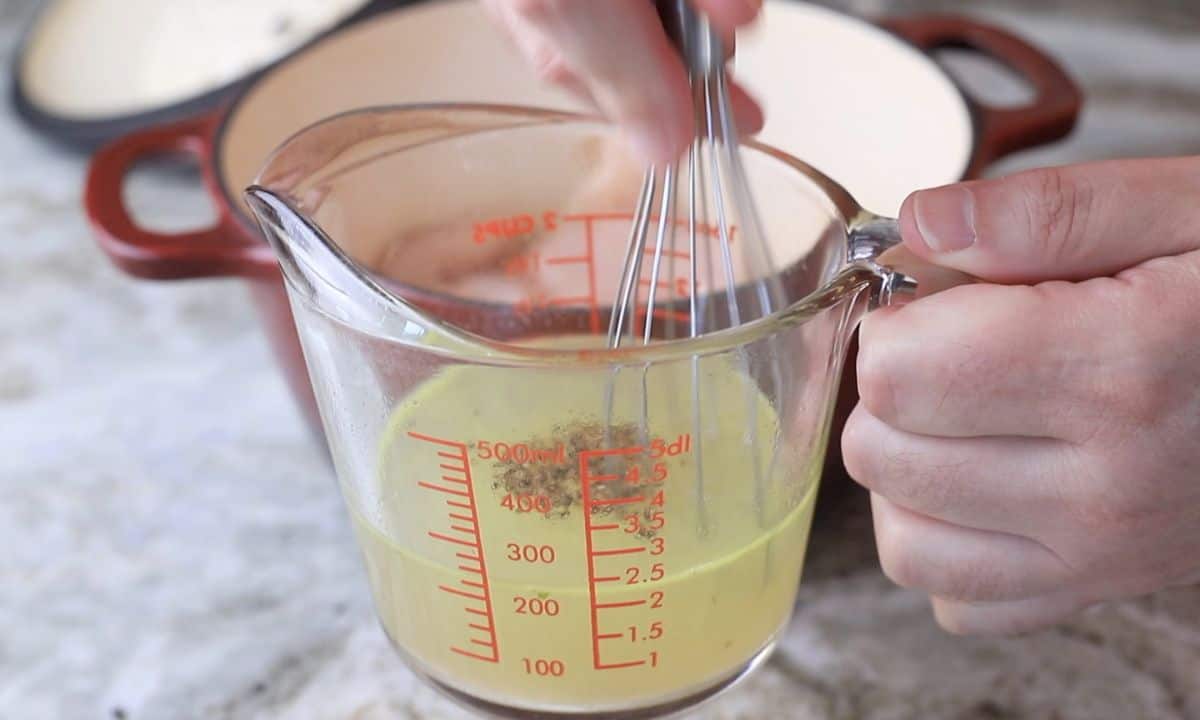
615, 55
1031, 444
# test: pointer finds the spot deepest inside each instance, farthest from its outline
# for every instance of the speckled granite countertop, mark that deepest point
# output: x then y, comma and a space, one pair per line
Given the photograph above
172, 545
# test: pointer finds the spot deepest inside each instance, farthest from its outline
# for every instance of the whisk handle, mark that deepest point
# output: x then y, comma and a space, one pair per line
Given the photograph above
1050, 116
690, 31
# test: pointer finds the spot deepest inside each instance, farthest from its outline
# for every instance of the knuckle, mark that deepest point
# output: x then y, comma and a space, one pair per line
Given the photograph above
1097, 509
971, 362
1056, 207
896, 558
899, 567
878, 373
965, 581
948, 575
931, 484
924, 372
885, 463
858, 449
1143, 394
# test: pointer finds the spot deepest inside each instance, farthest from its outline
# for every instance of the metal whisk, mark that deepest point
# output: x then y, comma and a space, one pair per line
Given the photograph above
715, 182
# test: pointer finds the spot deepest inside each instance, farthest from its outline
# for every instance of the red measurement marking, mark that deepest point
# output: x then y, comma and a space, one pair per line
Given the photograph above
447, 538
594, 315
463, 593
622, 551
614, 451
594, 556
629, 603
572, 260
503, 228
458, 471
618, 501
592, 217
603, 478
587, 536
439, 488
618, 666
489, 658
577, 300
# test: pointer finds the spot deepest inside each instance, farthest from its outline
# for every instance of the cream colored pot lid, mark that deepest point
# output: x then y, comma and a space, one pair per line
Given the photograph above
95, 61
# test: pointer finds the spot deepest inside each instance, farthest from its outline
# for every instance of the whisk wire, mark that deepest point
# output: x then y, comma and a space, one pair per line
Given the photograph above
761, 267
757, 252
632, 267
666, 220
694, 168
714, 175
735, 317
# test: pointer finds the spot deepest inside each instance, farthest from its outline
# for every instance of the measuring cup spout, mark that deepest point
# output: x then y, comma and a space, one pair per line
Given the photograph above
319, 271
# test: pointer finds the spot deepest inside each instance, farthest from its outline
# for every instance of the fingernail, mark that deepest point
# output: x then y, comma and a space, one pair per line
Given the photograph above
946, 218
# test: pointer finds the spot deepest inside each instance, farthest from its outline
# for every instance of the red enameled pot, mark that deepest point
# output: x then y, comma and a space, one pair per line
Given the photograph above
865, 102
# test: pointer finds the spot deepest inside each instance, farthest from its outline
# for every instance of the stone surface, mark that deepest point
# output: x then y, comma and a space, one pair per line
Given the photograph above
172, 545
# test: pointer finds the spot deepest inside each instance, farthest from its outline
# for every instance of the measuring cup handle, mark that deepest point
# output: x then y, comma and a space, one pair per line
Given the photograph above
220, 250
875, 242
871, 239
1050, 116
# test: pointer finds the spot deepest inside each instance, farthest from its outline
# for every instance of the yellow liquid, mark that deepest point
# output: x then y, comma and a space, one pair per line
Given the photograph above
574, 613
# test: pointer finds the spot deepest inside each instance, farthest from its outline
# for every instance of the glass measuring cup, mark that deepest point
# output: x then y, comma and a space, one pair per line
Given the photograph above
550, 527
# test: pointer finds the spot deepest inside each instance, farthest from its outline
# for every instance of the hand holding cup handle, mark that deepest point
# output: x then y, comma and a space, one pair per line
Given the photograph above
1028, 439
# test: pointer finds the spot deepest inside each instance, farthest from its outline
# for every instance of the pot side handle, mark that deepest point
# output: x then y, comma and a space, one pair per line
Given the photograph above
220, 250
1057, 102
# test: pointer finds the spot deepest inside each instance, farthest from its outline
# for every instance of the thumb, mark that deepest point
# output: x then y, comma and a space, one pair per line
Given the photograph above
1068, 223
